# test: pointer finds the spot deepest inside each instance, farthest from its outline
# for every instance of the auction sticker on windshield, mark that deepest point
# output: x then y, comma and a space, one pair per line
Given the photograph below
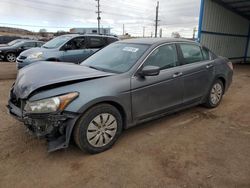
130, 49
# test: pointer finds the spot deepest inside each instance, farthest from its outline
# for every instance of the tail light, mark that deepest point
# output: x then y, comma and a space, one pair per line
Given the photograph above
230, 64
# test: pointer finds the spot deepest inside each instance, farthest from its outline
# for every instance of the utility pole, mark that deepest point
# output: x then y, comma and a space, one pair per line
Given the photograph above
156, 18
161, 32
143, 35
123, 29
194, 31
98, 15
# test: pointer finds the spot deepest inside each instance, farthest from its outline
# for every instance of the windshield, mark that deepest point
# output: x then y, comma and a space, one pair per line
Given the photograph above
14, 42
56, 42
117, 57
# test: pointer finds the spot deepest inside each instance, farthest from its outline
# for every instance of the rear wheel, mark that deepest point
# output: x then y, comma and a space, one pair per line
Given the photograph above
98, 129
215, 94
11, 57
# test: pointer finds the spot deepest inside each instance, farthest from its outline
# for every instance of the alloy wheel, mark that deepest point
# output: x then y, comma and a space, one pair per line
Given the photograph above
101, 130
11, 57
216, 93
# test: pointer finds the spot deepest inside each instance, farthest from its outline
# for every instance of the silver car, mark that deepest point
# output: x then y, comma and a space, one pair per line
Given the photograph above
120, 86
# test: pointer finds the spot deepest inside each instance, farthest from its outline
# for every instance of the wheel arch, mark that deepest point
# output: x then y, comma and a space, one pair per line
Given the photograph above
117, 105
114, 103
223, 80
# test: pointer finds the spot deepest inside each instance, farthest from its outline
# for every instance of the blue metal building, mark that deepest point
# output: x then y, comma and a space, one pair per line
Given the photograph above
224, 27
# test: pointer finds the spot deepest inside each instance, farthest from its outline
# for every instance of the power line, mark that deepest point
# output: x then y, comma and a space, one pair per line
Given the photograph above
44, 26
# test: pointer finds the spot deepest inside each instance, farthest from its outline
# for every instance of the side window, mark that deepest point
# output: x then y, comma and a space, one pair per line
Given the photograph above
163, 57
29, 44
206, 54
77, 43
39, 44
191, 53
96, 42
111, 40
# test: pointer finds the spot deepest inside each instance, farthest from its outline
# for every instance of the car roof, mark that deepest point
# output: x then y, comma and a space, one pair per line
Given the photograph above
30, 40
152, 41
95, 35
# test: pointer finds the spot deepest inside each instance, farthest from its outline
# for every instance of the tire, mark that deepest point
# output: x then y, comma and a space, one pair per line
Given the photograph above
98, 129
215, 94
10, 57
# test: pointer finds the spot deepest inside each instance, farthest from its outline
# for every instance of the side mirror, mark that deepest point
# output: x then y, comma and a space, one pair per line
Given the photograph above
150, 71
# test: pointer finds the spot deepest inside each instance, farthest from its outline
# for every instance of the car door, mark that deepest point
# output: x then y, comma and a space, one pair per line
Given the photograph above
197, 70
152, 95
75, 50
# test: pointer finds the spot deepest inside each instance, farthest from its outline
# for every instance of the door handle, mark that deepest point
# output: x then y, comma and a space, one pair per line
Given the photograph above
177, 74
209, 66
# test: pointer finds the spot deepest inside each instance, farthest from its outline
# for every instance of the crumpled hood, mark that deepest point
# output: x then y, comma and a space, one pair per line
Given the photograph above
46, 73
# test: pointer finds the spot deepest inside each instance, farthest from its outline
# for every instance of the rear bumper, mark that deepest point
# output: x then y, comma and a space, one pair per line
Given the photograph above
229, 80
56, 127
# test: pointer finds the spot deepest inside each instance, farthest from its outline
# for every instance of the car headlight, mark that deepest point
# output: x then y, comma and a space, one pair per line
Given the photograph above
37, 55
52, 104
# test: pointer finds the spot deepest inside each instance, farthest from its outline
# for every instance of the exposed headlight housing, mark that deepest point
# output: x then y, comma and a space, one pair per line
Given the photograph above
49, 105
37, 55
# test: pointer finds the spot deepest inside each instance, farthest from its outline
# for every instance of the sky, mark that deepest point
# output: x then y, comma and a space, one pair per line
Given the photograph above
53, 15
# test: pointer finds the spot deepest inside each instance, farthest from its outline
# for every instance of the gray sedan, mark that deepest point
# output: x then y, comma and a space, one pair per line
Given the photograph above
122, 85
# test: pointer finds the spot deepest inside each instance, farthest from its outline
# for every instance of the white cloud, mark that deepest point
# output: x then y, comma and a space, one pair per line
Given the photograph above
181, 15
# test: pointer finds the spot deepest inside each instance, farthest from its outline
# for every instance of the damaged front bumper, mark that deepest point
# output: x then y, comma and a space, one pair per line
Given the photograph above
55, 127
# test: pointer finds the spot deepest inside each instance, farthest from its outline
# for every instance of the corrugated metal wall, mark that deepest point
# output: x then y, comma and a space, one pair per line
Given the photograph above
224, 31
248, 52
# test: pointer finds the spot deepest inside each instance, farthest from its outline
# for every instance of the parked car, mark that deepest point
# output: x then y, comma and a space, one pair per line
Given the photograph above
66, 48
12, 42
6, 39
10, 52
124, 84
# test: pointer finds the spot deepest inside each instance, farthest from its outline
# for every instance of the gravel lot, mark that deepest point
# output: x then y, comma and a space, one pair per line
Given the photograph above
7, 70
194, 148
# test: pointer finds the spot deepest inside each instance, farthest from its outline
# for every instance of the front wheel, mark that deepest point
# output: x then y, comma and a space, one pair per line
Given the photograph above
98, 129
11, 57
215, 94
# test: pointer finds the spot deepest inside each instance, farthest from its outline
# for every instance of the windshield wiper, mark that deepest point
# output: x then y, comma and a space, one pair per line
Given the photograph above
104, 70
96, 68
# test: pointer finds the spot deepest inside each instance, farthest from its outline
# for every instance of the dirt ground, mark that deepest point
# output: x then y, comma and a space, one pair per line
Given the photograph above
7, 70
196, 148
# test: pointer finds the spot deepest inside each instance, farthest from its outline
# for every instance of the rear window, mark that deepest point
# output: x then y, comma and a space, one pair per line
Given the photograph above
206, 54
191, 53
96, 42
